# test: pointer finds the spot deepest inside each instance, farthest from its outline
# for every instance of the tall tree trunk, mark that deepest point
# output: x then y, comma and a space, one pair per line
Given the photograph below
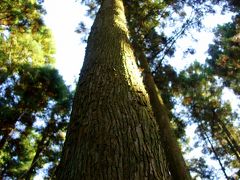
228, 137
169, 141
203, 133
112, 133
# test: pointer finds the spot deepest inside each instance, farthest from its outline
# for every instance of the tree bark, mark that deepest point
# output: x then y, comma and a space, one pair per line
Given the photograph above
112, 132
177, 165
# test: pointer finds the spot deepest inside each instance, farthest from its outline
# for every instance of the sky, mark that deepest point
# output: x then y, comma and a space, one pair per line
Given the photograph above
63, 17
204, 38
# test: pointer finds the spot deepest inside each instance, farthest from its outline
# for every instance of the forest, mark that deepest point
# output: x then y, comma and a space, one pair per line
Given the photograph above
128, 116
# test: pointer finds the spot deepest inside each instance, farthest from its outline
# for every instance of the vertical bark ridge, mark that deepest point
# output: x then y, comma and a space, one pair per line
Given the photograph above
112, 132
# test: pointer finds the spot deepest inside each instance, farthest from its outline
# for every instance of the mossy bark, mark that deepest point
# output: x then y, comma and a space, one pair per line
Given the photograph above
112, 132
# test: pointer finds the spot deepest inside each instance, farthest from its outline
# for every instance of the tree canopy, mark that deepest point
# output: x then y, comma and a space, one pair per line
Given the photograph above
35, 102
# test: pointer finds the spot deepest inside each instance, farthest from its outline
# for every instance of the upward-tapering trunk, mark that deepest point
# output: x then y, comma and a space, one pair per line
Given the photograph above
112, 132
177, 165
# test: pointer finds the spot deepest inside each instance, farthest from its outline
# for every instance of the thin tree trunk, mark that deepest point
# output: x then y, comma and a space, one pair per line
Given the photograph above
112, 133
5, 138
7, 128
169, 141
231, 141
42, 145
205, 137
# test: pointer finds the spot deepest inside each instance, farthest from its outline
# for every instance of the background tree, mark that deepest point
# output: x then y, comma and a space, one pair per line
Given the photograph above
157, 46
215, 119
224, 54
26, 57
34, 100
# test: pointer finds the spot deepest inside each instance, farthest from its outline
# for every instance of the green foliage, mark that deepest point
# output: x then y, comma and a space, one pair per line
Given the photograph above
17, 155
36, 95
21, 14
215, 119
30, 48
36, 86
224, 55
33, 93
23, 36
34, 100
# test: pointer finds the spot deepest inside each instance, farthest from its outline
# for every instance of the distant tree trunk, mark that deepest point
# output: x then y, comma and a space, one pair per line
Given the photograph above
235, 148
41, 147
112, 133
203, 133
6, 127
5, 137
169, 141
